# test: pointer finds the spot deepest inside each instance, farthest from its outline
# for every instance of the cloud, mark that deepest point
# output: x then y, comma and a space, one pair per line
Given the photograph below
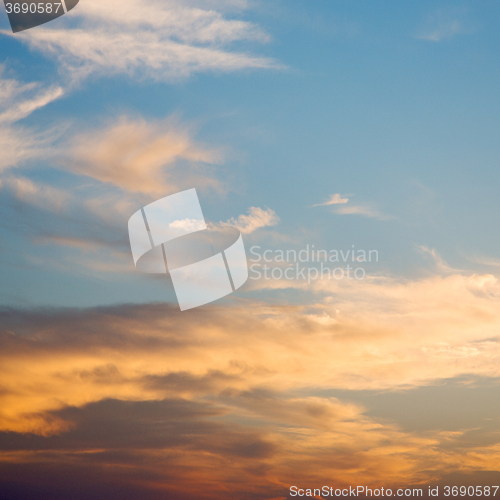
84, 222
441, 265
335, 199
445, 24
486, 261
257, 218
187, 225
117, 169
24, 108
358, 210
18, 100
37, 195
155, 39
379, 335
184, 403
364, 210
144, 157
82, 244
19, 145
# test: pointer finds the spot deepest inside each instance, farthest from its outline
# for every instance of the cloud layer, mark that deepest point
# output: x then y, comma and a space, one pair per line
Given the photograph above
237, 400
163, 40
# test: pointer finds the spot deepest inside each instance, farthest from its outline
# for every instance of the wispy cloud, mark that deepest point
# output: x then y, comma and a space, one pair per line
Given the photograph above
440, 264
445, 24
20, 144
145, 157
255, 219
35, 194
76, 218
364, 210
485, 260
334, 199
23, 108
159, 40
18, 100
345, 209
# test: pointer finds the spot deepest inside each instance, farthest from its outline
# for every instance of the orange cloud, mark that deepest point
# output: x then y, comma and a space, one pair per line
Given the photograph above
244, 390
143, 157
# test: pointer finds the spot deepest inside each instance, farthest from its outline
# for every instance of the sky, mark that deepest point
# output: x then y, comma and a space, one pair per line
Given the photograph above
359, 128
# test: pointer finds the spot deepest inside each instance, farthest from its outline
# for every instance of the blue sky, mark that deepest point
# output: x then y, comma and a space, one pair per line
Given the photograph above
395, 105
325, 123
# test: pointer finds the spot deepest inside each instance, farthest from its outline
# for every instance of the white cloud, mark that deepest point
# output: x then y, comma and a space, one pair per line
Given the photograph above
256, 219
164, 40
17, 101
334, 199
24, 108
187, 225
186, 24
